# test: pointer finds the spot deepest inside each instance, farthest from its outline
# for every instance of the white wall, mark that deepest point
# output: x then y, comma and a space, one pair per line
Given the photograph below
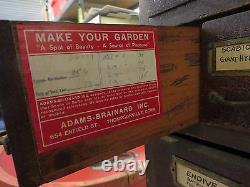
33, 10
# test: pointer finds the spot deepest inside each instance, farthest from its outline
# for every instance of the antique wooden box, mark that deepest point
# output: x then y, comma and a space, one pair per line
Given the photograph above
76, 94
179, 162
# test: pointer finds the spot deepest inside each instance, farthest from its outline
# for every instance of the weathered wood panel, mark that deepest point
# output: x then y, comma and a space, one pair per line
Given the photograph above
193, 11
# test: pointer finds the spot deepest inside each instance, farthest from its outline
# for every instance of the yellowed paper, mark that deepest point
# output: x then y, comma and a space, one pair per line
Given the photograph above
60, 74
233, 57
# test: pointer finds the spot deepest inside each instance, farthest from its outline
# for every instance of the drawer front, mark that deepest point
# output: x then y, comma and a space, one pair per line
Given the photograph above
73, 95
178, 162
225, 73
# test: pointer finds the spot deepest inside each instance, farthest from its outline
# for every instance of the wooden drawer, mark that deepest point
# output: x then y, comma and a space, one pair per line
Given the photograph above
176, 162
60, 118
224, 88
225, 73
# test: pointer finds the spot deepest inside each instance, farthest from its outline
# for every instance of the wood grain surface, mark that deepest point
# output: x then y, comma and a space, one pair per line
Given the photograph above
179, 64
179, 80
15, 112
191, 12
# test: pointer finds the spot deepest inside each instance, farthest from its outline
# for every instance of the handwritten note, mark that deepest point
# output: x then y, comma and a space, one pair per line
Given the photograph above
55, 75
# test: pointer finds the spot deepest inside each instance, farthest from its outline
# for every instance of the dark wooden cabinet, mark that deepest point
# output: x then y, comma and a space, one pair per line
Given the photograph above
224, 88
176, 161
60, 118
160, 12
225, 109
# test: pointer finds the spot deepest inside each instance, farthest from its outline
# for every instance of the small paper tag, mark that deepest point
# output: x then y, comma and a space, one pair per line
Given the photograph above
190, 175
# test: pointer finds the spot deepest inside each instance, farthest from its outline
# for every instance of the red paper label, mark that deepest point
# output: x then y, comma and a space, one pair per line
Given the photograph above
85, 80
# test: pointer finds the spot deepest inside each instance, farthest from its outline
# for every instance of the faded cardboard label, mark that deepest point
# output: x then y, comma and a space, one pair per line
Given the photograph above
234, 57
189, 175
